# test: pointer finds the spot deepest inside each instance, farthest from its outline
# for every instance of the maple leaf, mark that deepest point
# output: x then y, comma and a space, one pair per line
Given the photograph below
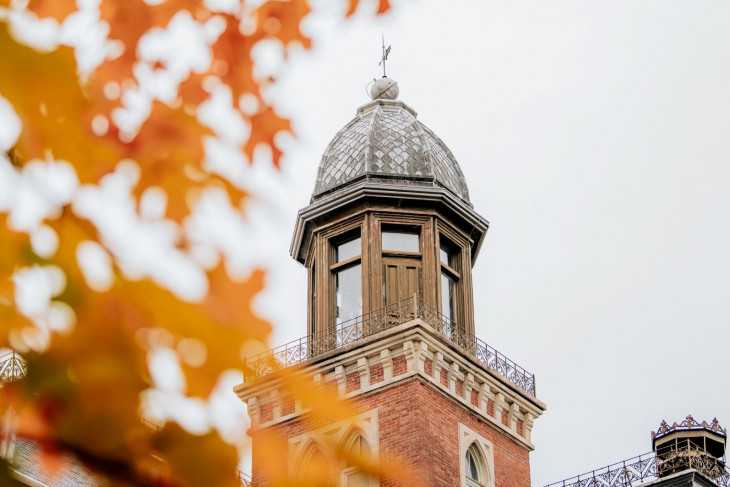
58, 119
281, 20
16, 252
82, 394
57, 9
233, 65
186, 454
264, 126
128, 21
383, 6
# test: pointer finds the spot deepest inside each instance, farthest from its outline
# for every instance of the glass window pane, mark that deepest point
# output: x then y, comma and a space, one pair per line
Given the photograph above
348, 283
445, 255
349, 249
472, 470
400, 241
448, 290
448, 254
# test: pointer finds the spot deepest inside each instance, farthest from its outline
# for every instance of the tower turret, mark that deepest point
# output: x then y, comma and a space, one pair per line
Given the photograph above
390, 218
690, 445
389, 240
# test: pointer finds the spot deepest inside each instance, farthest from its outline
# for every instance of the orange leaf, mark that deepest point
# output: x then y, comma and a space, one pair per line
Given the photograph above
197, 460
58, 9
281, 20
232, 54
169, 150
264, 126
58, 119
383, 6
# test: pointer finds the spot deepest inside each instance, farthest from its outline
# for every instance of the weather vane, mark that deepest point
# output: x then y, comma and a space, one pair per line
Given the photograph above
385, 55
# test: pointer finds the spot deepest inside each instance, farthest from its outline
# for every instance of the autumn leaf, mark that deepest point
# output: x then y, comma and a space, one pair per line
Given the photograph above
187, 455
16, 252
267, 124
82, 394
57, 9
383, 6
56, 120
128, 21
232, 54
281, 20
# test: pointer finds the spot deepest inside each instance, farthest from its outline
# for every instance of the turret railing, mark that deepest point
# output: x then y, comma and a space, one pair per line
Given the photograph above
244, 480
648, 467
356, 329
12, 367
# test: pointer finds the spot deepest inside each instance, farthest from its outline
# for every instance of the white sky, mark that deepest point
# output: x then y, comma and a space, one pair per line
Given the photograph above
594, 138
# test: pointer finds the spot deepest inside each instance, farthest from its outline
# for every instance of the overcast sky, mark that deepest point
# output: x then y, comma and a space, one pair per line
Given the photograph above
594, 138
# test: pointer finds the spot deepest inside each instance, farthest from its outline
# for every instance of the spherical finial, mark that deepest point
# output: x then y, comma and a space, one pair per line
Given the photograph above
384, 89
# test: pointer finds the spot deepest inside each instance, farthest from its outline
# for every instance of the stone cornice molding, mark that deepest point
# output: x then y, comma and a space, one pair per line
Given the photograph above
406, 352
369, 189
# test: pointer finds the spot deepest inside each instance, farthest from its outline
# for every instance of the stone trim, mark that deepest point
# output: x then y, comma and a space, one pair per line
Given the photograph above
466, 438
329, 438
413, 344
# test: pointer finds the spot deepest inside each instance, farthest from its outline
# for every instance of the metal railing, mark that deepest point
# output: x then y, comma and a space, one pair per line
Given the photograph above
12, 367
244, 480
689, 423
351, 331
648, 466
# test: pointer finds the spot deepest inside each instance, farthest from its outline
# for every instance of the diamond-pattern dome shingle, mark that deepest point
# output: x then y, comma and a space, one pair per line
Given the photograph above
385, 141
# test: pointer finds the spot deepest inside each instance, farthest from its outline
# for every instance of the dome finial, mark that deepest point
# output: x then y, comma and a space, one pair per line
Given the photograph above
383, 88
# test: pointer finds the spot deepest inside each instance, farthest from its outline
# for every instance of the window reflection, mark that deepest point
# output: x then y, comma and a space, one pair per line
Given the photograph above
348, 290
473, 467
448, 255
448, 296
400, 241
348, 283
348, 250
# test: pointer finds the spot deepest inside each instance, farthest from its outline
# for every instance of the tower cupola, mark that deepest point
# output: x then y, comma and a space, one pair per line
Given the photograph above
389, 219
690, 445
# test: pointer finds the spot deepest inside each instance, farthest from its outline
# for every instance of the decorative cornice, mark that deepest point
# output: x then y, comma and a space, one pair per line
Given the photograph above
368, 188
406, 352
689, 423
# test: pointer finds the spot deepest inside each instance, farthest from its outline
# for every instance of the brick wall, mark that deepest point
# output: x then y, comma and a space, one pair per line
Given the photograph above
419, 426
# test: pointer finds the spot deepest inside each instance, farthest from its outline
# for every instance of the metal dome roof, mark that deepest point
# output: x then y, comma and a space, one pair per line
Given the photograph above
386, 142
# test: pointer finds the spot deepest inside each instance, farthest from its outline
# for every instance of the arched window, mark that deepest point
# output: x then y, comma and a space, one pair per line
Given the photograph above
357, 450
315, 467
474, 467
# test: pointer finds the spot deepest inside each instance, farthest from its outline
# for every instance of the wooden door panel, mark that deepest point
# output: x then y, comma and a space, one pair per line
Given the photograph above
391, 284
402, 280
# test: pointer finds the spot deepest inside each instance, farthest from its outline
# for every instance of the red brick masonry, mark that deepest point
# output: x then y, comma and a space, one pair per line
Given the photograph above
419, 425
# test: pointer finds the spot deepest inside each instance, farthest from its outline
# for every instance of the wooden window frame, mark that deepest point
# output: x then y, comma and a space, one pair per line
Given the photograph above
335, 267
404, 224
457, 272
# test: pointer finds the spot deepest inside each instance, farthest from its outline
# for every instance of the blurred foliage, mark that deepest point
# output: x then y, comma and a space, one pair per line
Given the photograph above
82, 392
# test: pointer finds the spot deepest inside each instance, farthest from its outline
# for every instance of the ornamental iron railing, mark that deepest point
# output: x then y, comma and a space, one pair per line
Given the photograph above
648, 467
244, 480
12, 367
351, 331
689, 423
